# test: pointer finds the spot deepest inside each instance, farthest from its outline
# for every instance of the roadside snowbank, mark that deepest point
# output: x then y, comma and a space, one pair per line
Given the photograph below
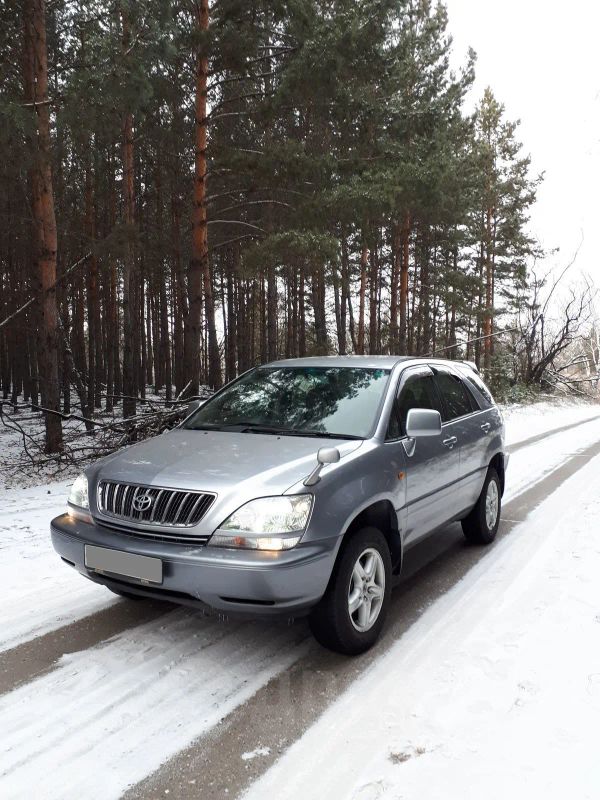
524, 421
494, 692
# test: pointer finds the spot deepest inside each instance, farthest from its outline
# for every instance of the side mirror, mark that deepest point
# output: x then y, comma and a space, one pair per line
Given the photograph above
325, 455
194, 405
423, 422
328, 455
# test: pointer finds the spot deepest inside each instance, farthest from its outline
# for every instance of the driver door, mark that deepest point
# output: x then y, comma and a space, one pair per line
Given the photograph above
433, 466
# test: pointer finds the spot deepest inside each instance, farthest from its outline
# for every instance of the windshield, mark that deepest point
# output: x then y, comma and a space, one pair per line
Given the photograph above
329, 401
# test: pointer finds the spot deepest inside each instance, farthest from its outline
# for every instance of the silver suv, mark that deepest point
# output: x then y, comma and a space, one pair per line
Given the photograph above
295, 489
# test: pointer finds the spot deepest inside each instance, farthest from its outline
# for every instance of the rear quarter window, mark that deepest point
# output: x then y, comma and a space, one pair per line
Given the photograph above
479, 389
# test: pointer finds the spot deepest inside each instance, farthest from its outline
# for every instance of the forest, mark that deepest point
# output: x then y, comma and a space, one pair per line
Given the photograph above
193, 187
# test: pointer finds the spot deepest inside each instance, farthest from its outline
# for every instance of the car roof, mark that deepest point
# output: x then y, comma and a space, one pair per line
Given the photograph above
375, 362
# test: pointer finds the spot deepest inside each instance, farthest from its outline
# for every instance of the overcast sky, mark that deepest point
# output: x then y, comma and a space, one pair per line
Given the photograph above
542, 60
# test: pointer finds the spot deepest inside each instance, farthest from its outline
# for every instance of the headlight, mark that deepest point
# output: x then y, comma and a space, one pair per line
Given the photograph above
269, 523
78, 496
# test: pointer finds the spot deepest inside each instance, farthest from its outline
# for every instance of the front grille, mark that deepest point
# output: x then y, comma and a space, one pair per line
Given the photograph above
172, 537
151, 505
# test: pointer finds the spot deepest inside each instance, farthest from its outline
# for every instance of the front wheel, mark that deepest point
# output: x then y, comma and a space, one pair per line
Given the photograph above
352, 612
481, 526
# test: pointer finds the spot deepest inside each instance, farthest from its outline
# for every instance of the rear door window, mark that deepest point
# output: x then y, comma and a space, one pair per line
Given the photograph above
456, 399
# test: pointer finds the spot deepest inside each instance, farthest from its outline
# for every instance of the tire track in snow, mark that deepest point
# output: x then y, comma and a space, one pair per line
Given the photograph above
117, 710
38, 656
540, 437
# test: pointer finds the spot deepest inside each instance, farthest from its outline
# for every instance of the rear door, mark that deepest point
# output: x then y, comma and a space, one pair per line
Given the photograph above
461, 424
433, 467
482, 437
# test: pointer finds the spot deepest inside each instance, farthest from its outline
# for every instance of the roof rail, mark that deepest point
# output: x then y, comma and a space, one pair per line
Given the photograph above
471, 364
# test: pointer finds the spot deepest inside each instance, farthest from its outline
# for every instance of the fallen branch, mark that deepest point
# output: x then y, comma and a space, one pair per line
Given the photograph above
31, 300
471, 341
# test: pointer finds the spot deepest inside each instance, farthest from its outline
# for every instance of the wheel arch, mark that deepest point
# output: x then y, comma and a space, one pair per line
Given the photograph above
381, 515
497, 463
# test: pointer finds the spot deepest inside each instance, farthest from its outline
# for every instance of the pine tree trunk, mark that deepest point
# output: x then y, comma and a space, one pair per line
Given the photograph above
487, 318
373, 281
93, 303
113, 371
130, 315
291, 317
35, 65
345, 279
425, 310
271, 314
262, 313
231, 341
318, 298
200, 274
360, 345
302, 314
403, 336
337, 302
396, 257
178, 293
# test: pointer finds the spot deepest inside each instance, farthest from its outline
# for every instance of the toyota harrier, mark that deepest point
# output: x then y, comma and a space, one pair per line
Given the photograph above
296, 489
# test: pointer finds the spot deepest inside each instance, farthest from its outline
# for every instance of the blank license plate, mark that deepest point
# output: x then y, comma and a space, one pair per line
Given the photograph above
144, 568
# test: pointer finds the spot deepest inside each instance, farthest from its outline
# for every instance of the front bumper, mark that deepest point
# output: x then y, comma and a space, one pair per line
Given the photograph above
231, 581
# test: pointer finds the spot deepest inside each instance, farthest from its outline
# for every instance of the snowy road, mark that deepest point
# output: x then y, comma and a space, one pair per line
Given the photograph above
156, 698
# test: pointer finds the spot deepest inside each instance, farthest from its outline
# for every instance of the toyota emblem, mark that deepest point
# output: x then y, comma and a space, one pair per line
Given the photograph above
142, 502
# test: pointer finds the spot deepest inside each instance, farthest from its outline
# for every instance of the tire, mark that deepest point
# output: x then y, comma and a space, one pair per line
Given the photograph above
126, 595
480, 527
332, 623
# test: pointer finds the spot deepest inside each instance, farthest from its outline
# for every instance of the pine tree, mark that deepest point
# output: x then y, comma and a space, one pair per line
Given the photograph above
240, 181
36, 100
505, 194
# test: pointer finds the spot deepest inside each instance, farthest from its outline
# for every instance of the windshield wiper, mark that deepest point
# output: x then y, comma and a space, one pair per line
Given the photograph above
248, 426
256, 427
207, 426
327, 435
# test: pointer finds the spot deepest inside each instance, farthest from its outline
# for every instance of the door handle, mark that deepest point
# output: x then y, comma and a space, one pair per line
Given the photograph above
486, 427
450, 442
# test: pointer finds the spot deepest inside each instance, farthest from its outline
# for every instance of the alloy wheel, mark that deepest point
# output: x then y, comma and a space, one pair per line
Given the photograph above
366, 590
491, 505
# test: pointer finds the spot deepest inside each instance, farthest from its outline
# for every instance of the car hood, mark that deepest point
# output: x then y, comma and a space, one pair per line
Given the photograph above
219, 461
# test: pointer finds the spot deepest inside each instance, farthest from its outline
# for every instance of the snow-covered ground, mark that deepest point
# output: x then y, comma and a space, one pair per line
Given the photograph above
526, 421
517, 633
132, 702
494, 692
38, 594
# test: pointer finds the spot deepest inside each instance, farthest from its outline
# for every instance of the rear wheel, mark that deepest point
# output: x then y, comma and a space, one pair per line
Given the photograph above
351, 615
481, 526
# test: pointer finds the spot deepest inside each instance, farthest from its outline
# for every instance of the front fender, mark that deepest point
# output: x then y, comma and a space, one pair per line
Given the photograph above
353, 485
